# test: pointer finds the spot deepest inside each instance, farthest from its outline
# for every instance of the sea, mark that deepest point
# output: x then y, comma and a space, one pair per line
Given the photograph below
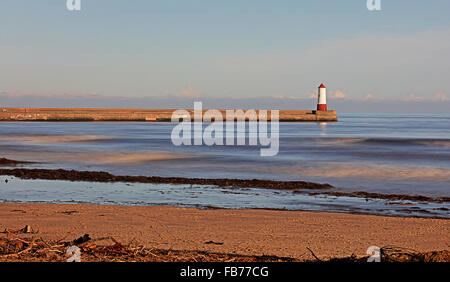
380, 153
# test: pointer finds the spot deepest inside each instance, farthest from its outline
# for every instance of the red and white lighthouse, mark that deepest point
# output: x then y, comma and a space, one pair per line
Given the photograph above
322, 100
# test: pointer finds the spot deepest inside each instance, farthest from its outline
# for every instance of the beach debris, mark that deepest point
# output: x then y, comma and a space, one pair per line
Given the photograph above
17, 210
38, 249
314, 255
13, 248
26, 230
213, 243
83, 239
399, 254
390, 254
69, 212
74, 254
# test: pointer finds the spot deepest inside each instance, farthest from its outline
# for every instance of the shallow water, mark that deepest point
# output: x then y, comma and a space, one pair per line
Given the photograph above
392, 154
370, 152
203, 196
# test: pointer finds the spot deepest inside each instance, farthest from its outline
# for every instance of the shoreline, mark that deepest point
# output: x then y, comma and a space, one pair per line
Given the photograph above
311, 188
102, 176
217, 234
253, 232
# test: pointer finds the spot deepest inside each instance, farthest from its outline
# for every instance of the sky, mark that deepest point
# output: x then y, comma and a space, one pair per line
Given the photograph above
228, 53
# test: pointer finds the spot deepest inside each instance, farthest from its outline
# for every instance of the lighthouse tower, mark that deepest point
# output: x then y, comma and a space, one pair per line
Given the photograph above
322, 101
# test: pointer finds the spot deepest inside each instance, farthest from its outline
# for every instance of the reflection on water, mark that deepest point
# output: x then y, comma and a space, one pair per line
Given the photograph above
98, 158
53, 138
203, 196
323, 128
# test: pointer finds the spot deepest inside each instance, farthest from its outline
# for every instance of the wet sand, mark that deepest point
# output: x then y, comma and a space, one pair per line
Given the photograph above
248, 232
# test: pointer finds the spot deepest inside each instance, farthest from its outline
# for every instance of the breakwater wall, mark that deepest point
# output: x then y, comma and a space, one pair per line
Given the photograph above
150, 115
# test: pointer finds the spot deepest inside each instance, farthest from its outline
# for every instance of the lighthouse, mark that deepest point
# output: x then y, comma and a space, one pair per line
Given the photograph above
322, 100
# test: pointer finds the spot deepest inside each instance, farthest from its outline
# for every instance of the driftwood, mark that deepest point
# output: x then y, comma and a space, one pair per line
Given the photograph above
37, 249
395, 254
312, 253
13, 248
26, 230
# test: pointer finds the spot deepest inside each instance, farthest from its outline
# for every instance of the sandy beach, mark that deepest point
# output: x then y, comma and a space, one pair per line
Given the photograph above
248, 232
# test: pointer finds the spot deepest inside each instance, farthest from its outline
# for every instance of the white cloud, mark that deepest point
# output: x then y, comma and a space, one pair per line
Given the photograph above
338, 94
312, 95
440, 96
188, 92
282, 97
369, 97
412, 98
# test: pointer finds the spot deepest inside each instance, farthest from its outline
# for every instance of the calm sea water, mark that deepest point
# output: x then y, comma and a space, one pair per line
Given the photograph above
387, 153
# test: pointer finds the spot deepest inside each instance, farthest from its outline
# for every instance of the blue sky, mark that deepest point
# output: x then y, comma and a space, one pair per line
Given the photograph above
233, 49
